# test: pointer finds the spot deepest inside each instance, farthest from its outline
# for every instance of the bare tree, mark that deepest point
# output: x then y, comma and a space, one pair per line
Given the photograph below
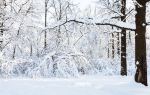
45, 32
27, 11
123, 40
140, 42
113, 45
2, 19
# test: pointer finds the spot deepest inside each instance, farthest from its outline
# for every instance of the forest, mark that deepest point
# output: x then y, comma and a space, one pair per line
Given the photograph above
57, 39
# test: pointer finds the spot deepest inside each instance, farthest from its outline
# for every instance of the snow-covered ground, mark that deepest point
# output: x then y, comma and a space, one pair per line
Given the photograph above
93, 85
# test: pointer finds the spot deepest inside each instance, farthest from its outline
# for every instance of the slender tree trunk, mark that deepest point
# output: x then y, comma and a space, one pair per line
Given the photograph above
118, 44
1, 36
1, 24
123, 40
31, 50
140, 43
113, 46
108, 50
45, 33
130, 41
59, 28
11, 1
108, 46
14, 52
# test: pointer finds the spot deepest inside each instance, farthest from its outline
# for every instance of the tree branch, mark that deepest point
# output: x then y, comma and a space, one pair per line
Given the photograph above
117, 24
147, 0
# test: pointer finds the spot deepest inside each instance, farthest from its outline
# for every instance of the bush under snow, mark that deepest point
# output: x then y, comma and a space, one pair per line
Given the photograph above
55, 64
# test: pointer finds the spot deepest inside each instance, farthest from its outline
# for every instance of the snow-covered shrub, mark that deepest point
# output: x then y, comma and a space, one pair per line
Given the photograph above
18, 67
63, 63
106, 66
67, 63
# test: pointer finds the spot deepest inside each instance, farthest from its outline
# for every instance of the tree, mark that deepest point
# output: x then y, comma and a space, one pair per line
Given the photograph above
61, 10
123, 40
45, 33
113, 46
2, 20
140, 43
22, 13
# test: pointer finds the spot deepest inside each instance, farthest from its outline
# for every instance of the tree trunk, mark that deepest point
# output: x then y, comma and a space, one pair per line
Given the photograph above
108, 50
14, 52
118, 44
113, 46
140, 43
31, 50
108, 46
123, 41
45, 33
1, 24
130, 41
1, 36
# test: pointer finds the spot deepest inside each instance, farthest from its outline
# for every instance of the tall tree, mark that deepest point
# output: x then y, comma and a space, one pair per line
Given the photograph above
2, 14
21, 13
118, 43
113, 46
140, 42
45, 33
123, 40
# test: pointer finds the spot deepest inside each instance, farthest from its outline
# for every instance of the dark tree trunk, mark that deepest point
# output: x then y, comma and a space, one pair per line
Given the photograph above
123, 41
2, 3
31, 50
118, 44
45, 33
113, 46
1, 35
108, 46
14, 52
140, 43
130, 41
108, 50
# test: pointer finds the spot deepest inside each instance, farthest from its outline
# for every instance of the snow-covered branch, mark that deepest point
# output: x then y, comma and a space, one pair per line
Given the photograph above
114, 23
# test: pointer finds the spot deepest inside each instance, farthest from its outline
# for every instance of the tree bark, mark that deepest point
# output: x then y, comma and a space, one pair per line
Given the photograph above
31, 50
2, 17
108, 49
45, 32
123, 40
118, 44
1, 24
1, 36
14, 51
140, 43
113, 46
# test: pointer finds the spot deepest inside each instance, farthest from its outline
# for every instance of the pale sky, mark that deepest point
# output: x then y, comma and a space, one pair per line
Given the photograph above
84, 3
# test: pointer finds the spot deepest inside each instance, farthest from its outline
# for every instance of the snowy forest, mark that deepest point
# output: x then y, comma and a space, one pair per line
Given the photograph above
59, 44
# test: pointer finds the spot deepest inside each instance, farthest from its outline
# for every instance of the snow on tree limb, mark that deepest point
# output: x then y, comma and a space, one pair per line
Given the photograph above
114, 23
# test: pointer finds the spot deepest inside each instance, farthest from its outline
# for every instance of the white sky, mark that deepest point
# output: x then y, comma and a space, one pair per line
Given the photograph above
84, 3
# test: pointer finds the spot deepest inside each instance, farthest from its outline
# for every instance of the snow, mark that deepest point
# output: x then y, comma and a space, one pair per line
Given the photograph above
83, 3
81, 57
85, 85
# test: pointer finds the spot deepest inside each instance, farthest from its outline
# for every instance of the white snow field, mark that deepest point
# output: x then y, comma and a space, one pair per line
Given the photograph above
93, 85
